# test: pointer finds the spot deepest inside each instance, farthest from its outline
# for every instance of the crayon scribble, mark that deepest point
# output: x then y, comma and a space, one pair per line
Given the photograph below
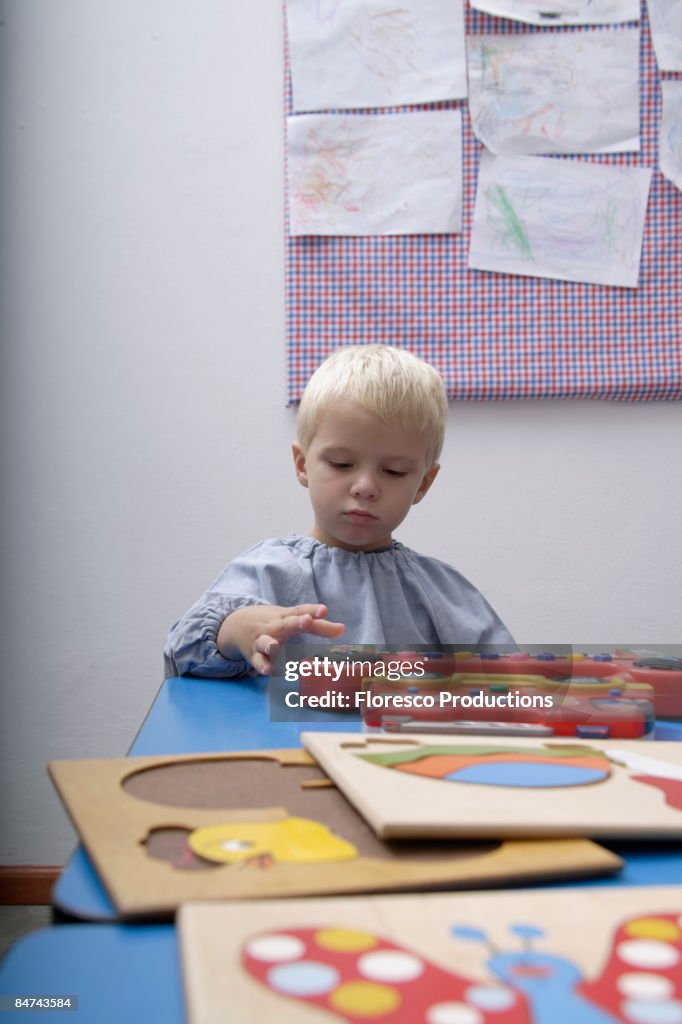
385, 40
511, 229
555, 94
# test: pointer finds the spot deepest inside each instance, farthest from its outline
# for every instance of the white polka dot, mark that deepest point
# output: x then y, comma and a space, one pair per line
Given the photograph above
652, 1012
275, 949
452, 1013
235, 845
490, 997
644, 986
648, 953
390, 965
305, 979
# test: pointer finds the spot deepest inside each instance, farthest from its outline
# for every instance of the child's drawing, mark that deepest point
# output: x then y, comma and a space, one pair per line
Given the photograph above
563, 219
375, 174
561, 12
370, 53
670, 146
555, 93
665, 21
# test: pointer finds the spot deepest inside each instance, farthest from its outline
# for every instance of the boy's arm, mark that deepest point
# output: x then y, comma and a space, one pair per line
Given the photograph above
225, 637
263, 578
191, 647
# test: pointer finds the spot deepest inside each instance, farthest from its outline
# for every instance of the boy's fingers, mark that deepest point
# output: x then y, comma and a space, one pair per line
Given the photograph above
316, 611
264, 643
261, 664
273, 650
266, 648
320, 627
295, 624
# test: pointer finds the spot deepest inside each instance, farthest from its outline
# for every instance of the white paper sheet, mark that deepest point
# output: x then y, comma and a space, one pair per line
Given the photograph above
665, 21
371, 53
670, 143
561, 12
375, 174
555, 92
565, 219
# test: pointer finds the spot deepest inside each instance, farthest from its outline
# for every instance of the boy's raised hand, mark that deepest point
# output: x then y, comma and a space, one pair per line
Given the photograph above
255, 632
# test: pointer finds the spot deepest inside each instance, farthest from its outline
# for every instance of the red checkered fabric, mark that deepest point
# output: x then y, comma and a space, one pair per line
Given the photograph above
495, 336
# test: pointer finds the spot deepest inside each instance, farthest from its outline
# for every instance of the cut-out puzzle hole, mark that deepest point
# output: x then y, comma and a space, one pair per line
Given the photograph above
229, 784
170, 845
379, 743
236, 784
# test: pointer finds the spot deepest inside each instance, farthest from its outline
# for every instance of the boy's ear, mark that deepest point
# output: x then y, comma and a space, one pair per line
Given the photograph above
428, 478
299, 463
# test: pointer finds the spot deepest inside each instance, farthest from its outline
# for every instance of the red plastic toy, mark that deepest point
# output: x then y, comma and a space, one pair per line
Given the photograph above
587, 710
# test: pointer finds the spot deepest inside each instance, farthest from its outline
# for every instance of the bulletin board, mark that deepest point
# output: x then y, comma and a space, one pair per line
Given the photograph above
494, 336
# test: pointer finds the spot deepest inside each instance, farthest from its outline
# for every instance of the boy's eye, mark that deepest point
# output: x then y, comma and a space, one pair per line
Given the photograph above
396, 472
338, 465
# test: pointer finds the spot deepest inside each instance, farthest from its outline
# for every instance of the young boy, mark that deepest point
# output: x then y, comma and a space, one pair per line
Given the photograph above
370, 429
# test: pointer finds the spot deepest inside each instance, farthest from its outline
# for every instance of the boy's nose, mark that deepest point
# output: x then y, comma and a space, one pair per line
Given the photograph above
364, 486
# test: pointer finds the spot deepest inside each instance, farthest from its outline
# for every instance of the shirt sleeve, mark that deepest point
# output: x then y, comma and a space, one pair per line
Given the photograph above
191, 647
263, 575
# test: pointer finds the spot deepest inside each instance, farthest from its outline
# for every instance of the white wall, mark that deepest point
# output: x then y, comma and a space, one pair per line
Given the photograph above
143, 420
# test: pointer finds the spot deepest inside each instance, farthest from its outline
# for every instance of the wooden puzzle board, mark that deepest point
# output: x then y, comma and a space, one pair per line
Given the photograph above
135, 815
471, 787
513, 955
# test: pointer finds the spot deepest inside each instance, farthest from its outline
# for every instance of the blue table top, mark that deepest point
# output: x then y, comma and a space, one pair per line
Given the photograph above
119, 973
195, 716
132, 972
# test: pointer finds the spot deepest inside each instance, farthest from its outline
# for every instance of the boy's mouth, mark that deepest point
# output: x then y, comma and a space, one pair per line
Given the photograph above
359, 515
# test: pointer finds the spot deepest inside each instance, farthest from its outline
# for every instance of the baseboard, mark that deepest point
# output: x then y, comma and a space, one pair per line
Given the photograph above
23, 884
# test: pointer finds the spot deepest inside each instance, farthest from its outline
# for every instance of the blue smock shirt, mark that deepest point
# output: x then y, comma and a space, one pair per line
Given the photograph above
389, 597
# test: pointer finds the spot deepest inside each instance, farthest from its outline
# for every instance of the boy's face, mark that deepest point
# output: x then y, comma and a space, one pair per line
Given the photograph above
363, 476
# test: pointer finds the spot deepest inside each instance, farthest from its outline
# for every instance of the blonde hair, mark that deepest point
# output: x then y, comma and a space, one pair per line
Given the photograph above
390, 382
